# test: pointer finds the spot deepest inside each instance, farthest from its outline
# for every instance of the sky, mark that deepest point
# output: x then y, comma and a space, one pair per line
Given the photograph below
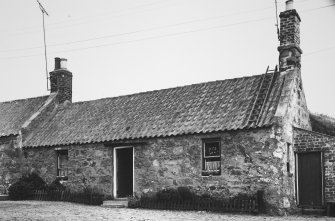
119, 47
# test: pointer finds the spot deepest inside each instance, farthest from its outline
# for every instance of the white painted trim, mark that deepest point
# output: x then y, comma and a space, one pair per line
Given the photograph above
297, 176
133, 169
114, 168
322, 178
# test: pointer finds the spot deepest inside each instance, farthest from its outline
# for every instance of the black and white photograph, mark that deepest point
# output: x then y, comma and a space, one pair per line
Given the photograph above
145, 110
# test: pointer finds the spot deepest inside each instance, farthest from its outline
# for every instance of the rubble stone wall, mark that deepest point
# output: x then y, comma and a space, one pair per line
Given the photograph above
251, 160
10, 162
89, 165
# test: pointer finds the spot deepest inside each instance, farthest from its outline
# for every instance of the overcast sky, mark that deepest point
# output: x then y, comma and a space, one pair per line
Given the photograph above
118, 47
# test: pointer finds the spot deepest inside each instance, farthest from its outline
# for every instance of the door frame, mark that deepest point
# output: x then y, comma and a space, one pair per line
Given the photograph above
114, 168
297, 176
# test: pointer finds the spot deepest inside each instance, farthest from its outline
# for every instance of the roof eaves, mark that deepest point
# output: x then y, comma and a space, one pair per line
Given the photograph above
9, 135
145, 137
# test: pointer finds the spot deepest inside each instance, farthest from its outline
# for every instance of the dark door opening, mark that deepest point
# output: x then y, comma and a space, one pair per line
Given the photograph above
310, 179
124, 172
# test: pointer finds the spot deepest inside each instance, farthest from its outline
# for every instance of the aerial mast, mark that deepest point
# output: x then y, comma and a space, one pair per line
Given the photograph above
45, 46
278, 33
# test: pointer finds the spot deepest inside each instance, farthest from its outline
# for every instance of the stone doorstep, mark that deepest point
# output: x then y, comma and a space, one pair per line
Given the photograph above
4, 197
116, 203
121, 199
316, 211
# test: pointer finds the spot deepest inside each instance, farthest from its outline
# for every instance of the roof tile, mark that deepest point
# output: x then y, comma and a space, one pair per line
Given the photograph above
206, 107
13, 114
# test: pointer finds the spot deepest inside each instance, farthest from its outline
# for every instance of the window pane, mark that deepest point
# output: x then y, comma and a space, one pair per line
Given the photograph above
62, 172
212, 149
63, 159
212, 165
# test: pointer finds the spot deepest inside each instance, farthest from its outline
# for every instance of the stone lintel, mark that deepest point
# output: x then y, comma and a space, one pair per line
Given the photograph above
62, 148
124, 144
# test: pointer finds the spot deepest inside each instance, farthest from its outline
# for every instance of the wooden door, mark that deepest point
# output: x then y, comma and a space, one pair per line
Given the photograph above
309, 179
124, 172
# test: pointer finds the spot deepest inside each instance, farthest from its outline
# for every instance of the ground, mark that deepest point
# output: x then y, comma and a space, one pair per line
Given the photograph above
44, 210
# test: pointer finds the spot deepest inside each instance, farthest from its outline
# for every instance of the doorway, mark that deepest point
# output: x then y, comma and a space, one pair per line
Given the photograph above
123, 172
310, 185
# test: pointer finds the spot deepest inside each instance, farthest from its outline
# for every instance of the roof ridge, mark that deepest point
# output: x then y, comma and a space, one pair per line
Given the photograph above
164, 89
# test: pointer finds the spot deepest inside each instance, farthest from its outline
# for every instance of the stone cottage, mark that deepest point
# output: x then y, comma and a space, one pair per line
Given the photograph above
227, 137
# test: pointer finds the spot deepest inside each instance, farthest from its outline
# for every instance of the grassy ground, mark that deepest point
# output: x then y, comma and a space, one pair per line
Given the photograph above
44, 210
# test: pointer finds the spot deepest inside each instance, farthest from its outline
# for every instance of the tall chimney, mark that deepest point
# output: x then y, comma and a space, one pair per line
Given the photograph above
289, 49
61, 81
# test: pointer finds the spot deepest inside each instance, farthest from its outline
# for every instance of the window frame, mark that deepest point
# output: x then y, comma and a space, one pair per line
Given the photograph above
205, 172
289, 152
61, 152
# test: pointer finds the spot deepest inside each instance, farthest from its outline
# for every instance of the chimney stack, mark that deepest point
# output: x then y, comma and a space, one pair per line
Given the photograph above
61, 81
289, 49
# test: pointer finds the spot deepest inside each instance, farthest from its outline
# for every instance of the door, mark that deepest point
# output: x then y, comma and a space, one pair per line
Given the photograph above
310, 179
124, 172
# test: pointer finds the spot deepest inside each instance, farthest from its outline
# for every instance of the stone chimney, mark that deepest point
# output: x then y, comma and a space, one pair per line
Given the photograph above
61, 81
289, 49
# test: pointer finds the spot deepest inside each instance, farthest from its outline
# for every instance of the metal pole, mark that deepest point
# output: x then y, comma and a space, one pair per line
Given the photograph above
45, 54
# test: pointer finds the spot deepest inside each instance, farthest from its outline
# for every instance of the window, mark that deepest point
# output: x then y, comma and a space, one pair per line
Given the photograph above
62, 164
211, 157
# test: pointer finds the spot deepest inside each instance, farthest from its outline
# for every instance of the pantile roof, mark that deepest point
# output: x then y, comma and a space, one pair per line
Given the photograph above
199, 108
13, 114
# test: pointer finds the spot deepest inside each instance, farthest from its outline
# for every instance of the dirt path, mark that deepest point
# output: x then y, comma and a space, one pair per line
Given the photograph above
44, 210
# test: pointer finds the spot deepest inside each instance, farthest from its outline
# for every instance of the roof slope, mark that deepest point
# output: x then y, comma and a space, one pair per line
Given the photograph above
322, 123
205, 107
13, 114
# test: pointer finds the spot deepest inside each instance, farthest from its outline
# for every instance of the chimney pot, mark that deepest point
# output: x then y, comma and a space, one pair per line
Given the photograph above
63, 63
289, 5
57, 63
